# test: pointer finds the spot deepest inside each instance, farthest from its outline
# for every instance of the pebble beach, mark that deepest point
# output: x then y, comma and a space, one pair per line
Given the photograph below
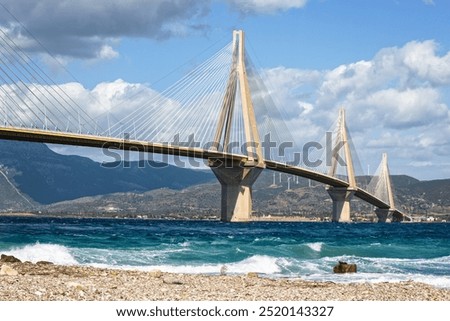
48, 282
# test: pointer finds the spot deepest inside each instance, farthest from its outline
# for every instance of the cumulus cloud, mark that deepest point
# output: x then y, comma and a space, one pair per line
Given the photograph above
399, 87
107, 52
422, 60
287, 83
395, 102
118, 97
265, 6
407, 108
416, 64
86, 29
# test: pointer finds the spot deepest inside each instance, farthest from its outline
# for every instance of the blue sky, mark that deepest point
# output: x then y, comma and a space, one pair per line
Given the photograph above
386, 61
319, 35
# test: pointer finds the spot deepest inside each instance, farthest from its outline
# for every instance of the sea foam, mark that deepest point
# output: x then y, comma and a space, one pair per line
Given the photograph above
55, 253
257, 263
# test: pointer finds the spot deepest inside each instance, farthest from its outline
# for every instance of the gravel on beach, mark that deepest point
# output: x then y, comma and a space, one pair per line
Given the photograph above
49, 282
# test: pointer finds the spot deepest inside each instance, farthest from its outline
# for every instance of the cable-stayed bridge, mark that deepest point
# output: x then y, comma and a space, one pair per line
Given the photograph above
220, 112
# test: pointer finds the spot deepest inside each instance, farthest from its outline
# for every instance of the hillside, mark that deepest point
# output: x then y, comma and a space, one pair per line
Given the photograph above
47, 177
33, 177
203, 201
11, 198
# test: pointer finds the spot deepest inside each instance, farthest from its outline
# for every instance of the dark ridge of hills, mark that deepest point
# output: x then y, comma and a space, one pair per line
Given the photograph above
47, 177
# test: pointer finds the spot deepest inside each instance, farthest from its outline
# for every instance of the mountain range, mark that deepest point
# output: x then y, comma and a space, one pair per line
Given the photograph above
35, 178
44, 177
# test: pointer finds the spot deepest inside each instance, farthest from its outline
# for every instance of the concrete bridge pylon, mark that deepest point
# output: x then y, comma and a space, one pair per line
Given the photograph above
237, 177
341, 196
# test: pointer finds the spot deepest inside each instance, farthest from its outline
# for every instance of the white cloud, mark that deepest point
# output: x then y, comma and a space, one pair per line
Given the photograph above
421, 164
283, 84
416, 64
346, 79
107, 52
110, 96
406, 108
399, 87
429, 2
396, 102
266, 6
421, 59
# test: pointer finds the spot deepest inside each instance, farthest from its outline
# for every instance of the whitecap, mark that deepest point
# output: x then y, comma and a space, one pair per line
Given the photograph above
55, 253
185, 244
257, 263
316, 246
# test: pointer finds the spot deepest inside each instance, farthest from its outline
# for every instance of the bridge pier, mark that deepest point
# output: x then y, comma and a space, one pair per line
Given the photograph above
384, 214
388, 215
341, 197
236, 180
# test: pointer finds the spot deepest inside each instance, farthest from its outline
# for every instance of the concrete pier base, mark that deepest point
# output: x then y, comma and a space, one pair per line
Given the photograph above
384, 215
389, 215
341, 197
236, 180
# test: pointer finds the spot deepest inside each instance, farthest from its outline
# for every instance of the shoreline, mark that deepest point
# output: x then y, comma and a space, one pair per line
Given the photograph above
48, 282
287, 219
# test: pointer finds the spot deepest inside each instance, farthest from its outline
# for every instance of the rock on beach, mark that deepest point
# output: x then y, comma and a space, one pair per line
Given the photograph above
9, 259
7, 270
344, 267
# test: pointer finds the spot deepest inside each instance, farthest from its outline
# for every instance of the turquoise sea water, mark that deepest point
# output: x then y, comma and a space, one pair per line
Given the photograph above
383, 252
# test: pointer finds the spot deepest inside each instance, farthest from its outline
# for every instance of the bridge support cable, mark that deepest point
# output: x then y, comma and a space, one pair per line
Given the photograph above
313, 155
185, 111
279, 144
222, 136
31, 98
361, 178
381, 186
